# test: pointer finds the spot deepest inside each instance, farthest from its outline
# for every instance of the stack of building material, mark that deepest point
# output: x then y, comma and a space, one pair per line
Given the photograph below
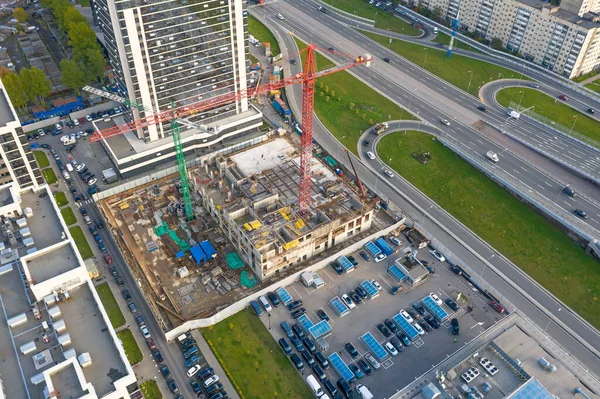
151, 246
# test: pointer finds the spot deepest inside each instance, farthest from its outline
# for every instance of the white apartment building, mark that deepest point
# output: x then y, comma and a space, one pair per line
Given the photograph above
564, 39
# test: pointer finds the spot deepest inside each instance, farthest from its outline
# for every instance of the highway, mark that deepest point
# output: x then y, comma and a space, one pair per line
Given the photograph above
403, 90
576, 156
575, 335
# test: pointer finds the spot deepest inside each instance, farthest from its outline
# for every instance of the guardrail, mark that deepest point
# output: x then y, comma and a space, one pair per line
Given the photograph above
585, 140
343, 13
518, 62
539, 201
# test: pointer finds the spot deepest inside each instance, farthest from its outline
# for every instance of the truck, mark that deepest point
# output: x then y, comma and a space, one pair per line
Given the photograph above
380, 128
281, 108
67, 140
513, 114
384, 246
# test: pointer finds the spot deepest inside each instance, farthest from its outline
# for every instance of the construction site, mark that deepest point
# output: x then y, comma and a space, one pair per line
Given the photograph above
247, 231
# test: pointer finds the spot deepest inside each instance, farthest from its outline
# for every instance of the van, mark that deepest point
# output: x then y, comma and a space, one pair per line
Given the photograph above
287, 329
435, 30
256, 307
265, 304
314, 385
364, 392
492, 156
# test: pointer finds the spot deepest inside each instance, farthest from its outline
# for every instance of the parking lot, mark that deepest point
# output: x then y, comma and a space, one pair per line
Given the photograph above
397, 371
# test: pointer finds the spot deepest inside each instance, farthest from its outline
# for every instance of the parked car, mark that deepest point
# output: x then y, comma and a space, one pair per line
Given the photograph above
417, 306
338, 269
297, 361
390, 348
107, 259
365, 367
287, 349
497, 307
207, 372
365, 256
397, 344
395, 241
351, 350
214, 388
294, 305
361, 291
151, 344
352, 260
406, 316
158, 356
455, 327
192, 371
126, 295
376, 285
436, 254
322, 360
391, 325
356, 370
404, 339
355, 298
396, 290
164, 370
132, 307
298, 331
192, 361
348, 301
273, 298
144, 331
298, 312
436, 298
140, 321
322, 315
308, 358
451, 304
172, 385
297, 343
384, 330
431, 321
256, 307
195, 386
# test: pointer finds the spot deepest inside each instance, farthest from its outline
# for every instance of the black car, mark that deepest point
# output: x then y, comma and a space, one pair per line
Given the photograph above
308, 358
338, 269
481, 108
396, 290
456, 270
591, 111
322, 315
298, 312
322, 360
70, 148
310, 345
432, 322
195, 386
569, 191
404, 339
297, 343
172, 385
140, 320
397, 344
455, 327
293, 61
298, 331
361, 291
355, 298
214, 388
386, 60
345, 388
418, 307
365, 143
413, 314
164, 370
351, 350
287, 349
330, 387
83, 211
391, 325
297, 361
580, 213
113, 271
46, 146
126, 295
319, 373
426, 326
384, 330
363, 254
120, 280
158, 356
451, 304
352, 260
294, 305
273, 298
366, 368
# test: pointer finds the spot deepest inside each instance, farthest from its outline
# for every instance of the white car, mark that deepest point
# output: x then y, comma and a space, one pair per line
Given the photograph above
41, 132
388, 172
209, 381
348, 301
191, 372
58, 126
93, 181
445, 122
391, 349
376, 285
145, 332
406, 316
395, 241
279, 16
76, 122
436, 299
88, 118
370, 155
419, 329
436, 254
380, 257
80, 167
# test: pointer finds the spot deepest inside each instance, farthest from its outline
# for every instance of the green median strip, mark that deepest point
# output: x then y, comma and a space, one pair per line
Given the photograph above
253, 360
132, 349
347, 107
68, 215
110, 305
528, 239
262, 34
82, 243
49, 175
150, 390
41, 159
594, 86
60, 198
463, 72
551, 108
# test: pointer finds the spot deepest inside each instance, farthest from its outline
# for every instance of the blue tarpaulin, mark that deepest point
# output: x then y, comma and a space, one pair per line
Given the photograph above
198, 254
208, 249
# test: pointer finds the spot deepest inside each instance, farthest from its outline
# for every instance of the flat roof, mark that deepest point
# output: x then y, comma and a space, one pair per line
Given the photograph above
44, 225
53, 263
6, 114
66, 382
6, 197
561, 14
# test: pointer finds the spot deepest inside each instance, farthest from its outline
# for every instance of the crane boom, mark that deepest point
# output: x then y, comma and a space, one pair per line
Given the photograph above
358, 182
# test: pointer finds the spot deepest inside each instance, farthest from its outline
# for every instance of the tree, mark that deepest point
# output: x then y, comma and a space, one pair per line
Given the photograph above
436, 13
497, 44
72, 16
72, 75
4, 71
20, 15
94, 64
36, 84
82, 38
15, 90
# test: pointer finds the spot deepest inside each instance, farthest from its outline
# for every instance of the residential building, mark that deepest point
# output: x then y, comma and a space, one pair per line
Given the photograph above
564, 39
177, 53
17, 163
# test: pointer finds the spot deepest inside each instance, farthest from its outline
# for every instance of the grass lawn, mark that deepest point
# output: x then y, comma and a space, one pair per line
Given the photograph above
540, 249
253, 359
68, 215
84, 3
60, 198
110, 304
551, 108
352, 106
383, 19
132, 350
49, 175
150, 390
456, 70
41, 159
262, 34
81, 241
594, 86
253, 59
445, 39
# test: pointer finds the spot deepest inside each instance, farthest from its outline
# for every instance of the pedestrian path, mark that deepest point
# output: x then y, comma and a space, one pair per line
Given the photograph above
590, 79
214, 363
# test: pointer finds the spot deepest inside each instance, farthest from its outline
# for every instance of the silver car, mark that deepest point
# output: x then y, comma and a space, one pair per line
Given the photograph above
374, 363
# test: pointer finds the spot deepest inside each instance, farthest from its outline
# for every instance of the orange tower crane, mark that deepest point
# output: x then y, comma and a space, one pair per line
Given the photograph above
307, 78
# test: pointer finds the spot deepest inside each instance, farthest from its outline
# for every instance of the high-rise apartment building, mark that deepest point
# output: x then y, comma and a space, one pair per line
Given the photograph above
17, 163
176, 53
564, 39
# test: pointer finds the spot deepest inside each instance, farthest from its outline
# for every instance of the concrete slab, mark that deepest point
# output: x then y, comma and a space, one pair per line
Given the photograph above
58, 261
266, 156
44, 224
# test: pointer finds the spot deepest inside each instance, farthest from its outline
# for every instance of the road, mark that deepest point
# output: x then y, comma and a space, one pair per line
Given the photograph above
403, 90
581, 158
575, 335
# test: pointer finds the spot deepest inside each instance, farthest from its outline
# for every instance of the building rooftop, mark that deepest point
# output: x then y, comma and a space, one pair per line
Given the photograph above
44, 224
561, 14
6, 114
44, 265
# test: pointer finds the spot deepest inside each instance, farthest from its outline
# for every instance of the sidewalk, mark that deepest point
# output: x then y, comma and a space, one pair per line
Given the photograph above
590, 79
209, 356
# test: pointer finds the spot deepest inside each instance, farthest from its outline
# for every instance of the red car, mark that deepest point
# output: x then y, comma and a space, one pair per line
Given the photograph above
83, 121
563, 97
151, 344
497, 307
107, 259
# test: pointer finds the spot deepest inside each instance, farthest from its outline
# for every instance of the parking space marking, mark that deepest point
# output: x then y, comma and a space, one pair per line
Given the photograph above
387, 364
296, 291
327, 274
418, 343
385, 281
447, 324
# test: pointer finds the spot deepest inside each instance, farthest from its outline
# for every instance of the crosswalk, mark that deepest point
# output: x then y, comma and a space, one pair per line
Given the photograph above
86, 202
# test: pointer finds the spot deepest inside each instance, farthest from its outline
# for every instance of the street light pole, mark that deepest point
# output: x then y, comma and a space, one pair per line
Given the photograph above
573, 125
549, 320
425, 59
484, 266
470, 78
269, 314
522, 94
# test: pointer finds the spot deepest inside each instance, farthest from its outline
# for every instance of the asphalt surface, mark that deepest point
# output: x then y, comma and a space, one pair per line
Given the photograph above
576, 336
391, 80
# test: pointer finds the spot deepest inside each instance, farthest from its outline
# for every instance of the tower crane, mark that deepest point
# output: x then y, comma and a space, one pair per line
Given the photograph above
358, 182
306, 78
